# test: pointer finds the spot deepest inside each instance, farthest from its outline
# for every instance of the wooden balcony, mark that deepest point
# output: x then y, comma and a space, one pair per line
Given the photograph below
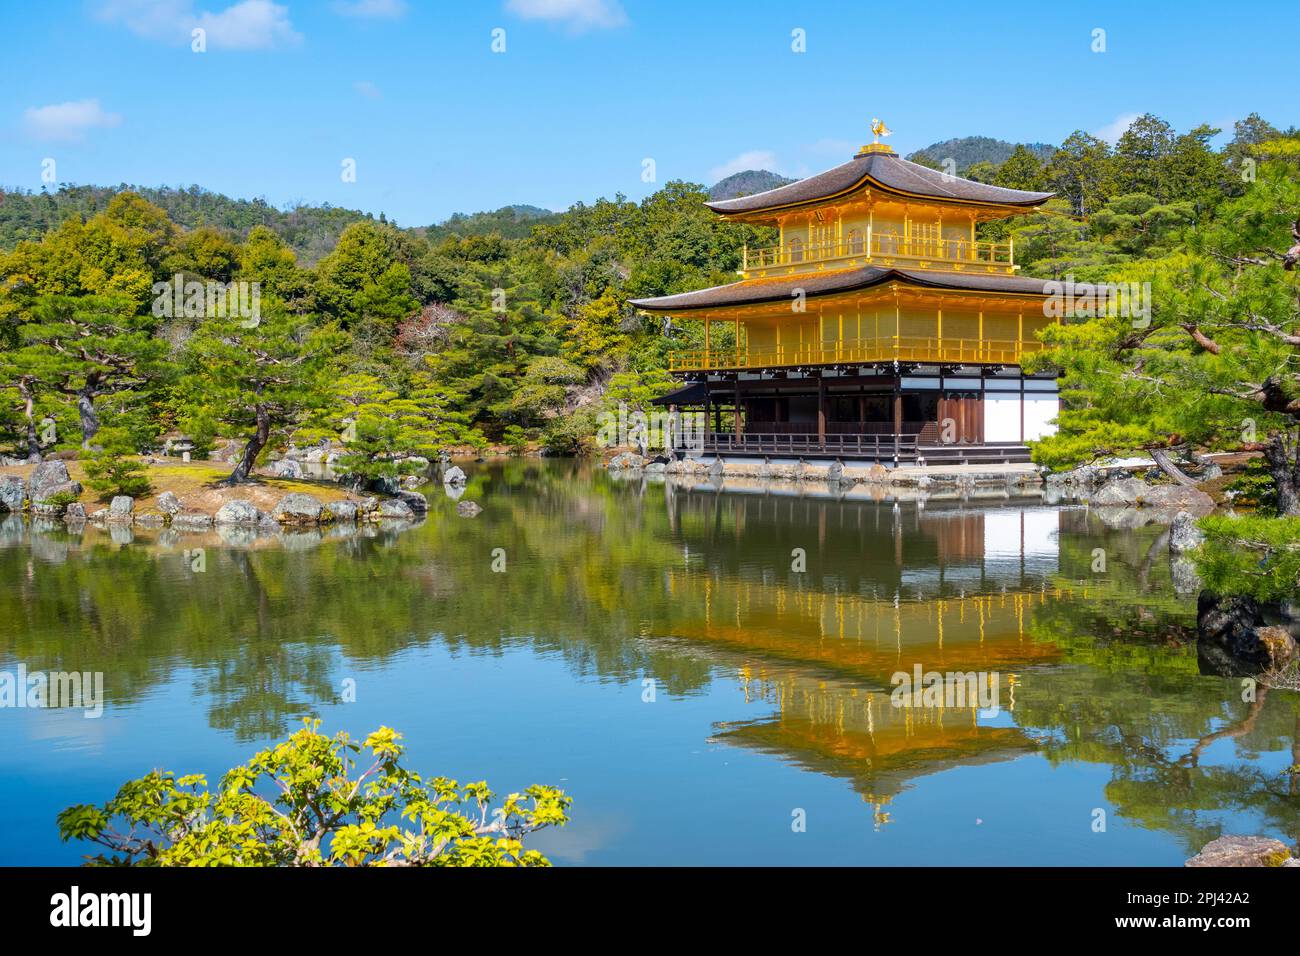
946, 351
919, 252
907, 446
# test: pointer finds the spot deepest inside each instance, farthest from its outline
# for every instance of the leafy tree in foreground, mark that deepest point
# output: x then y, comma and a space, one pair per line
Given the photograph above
323, 810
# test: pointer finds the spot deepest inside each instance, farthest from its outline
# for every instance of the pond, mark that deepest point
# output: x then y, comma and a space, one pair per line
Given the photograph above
710, 673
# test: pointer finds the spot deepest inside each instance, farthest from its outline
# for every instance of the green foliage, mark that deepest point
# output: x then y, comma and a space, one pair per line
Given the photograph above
111, 469
332, 802
259, 382
383, 428
60, 499
517, 320
515, 439
1253, 487
572, 435
1255, 556
1213, 365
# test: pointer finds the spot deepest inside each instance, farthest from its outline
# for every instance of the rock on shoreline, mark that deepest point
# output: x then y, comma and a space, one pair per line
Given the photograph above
295, 509
1237, 851
1235, 639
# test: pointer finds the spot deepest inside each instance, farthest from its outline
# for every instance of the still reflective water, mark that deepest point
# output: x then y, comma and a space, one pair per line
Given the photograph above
656, 650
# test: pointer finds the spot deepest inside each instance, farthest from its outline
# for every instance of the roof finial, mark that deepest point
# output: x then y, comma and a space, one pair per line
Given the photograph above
878, 129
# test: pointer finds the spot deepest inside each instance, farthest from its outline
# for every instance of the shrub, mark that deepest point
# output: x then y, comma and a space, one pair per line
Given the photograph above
60, 499
515, 439
112, 471
1254, 556
322, 811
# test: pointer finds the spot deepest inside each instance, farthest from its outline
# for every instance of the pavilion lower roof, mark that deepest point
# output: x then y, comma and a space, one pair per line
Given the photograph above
757, 291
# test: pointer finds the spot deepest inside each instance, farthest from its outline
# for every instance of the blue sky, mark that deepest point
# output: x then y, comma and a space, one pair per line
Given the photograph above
586, 90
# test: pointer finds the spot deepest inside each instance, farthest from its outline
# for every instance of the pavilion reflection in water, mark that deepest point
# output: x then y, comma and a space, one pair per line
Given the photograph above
953, 594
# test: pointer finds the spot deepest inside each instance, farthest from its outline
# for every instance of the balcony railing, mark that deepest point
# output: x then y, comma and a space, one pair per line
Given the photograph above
922, 251
858, 351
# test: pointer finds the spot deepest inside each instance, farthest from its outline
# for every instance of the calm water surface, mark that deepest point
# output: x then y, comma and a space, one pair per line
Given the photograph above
770, 686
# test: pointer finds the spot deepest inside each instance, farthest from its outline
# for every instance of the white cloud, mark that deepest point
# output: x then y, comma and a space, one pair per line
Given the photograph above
1113, 130
367, 89
247, 25
68, 122
371, 9
754, 159
578, 15
833, 147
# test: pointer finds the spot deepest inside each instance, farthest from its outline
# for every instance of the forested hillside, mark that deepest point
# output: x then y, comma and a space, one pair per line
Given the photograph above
966, 151
746, 183
508, 326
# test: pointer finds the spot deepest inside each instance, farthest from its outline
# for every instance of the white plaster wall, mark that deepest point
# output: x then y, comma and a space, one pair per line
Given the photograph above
1040, 410
1002, 416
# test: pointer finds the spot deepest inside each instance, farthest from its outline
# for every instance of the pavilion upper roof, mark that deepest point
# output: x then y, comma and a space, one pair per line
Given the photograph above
882, 169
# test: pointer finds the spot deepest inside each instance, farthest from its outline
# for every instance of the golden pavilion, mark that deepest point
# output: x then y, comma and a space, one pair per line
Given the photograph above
880, 327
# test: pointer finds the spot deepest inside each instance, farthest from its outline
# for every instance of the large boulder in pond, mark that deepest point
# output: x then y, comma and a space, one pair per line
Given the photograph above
625, 461
121, 508
13, 492
1184, 536
393, 508
191, 521
345, 511
66, 490
415, 501
468, 509
1121, 491
1171, 499
454, 476
1076, 483
298, 508
46, 479
238, 512
383, 485
1242, 851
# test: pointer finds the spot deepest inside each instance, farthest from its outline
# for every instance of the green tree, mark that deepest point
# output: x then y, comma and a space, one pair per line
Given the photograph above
85, 348
1021, 170
383, 429
1081, 172
1216, 364
363, 284
262, 380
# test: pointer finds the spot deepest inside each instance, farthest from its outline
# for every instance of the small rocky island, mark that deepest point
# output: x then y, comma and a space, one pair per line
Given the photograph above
189, 498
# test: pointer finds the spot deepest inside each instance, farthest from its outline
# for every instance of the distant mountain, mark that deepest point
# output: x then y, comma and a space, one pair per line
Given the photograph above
311, 231
966, 151
746, 184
